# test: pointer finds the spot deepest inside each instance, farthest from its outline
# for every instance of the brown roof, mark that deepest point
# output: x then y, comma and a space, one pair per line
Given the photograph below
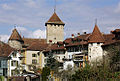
5, 49
96, 35
37, 46
15, 35
29, 41
54, 19
77, 43
109, 39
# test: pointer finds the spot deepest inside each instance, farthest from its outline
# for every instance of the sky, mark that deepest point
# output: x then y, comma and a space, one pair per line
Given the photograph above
29, 16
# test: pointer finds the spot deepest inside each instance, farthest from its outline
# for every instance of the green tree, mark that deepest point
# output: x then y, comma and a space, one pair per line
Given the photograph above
45, 73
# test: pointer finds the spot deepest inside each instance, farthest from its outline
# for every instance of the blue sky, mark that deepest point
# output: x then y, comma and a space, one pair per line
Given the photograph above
79, 15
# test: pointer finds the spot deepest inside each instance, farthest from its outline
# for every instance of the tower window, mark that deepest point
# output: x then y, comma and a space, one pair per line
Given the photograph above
55, 38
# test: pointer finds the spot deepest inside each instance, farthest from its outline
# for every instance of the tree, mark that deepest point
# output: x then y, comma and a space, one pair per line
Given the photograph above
52, 63
45, 73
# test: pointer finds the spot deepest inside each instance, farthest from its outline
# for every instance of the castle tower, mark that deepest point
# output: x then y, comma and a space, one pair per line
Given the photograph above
54, 29
96, 40
15, 40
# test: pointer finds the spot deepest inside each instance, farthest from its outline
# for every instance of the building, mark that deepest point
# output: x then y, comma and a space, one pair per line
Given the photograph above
54, 29
76, 50
10, 59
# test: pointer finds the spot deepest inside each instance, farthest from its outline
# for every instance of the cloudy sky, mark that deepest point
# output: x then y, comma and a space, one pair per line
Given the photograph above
29, 16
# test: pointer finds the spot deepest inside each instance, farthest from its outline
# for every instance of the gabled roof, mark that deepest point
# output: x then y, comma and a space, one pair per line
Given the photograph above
5, 49
54, 19
96, 36
15, 35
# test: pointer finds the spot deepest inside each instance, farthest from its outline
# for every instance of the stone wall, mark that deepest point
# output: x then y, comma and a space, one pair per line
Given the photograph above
54, 33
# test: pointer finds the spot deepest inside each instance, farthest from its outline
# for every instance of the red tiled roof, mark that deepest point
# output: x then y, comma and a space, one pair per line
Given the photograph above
5, 49
109, 39
96, 35
77, 43
15, 35
37, 46
54, 19
68, 40
29, 41
84, 36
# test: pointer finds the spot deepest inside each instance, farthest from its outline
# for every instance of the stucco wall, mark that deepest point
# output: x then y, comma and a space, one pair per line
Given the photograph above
95, 52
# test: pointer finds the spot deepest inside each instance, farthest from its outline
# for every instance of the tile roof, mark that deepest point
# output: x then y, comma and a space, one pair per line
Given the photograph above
54, 19
37, 46
5, 49
29, 41
15, 35
109, 39
96, 36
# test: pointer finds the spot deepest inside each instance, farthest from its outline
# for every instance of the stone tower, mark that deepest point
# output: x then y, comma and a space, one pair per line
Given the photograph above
96, 40
54, 29
15, 40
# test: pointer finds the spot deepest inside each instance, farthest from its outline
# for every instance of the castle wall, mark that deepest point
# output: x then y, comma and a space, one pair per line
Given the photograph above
55, 33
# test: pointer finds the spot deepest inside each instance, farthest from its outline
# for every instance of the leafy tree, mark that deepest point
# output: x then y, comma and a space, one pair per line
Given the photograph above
52, 63
45, 73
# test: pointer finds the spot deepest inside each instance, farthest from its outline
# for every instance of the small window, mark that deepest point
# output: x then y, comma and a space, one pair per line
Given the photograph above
34, 55
14, 54
14, 63
34, 61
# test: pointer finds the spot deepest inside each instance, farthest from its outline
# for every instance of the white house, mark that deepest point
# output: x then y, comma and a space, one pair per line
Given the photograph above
14, 63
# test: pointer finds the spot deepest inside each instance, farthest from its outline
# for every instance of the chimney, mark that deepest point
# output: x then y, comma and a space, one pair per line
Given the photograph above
78, 34
85, 33
50, 42
73, 36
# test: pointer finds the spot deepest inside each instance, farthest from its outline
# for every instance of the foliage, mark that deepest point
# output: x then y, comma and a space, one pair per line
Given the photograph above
45, 73
52, 63
1, 78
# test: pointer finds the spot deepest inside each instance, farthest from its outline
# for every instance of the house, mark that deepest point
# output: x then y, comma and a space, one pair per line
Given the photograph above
10, 60
34, 56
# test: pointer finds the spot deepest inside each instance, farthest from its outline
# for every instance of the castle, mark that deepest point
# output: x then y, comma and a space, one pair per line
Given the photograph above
75, 51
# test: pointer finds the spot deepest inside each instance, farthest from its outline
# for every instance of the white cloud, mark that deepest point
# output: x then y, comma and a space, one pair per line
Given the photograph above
6, 7
4, 38
31, 34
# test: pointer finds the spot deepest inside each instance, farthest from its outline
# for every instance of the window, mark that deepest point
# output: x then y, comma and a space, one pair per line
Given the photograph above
14, 54
34, 55
34, 61
13, 72
14, 63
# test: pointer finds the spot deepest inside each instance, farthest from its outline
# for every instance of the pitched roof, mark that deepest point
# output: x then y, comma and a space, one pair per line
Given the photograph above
15, 35
5, 49
54, 19
96, 35
29, 41
37, 46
